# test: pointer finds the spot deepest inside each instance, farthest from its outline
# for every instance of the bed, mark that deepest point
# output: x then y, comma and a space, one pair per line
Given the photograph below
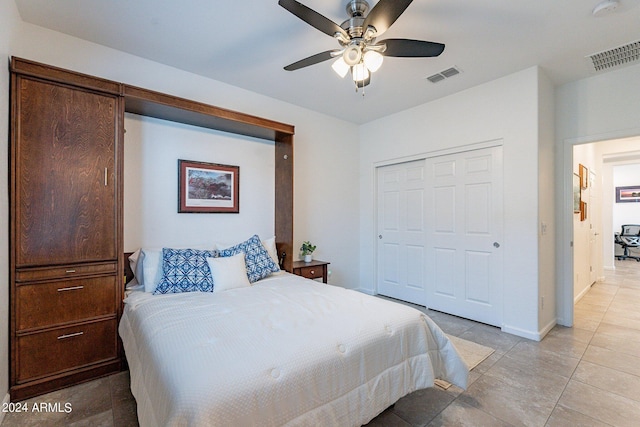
284, 350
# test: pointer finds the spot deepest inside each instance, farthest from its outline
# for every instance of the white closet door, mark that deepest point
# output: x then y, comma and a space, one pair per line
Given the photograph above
464, 234
401, 250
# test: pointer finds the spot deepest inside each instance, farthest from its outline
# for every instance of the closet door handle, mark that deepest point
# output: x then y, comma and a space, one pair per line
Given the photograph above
105, 177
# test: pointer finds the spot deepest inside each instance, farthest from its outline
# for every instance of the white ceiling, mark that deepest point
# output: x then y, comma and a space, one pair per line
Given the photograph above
247, 44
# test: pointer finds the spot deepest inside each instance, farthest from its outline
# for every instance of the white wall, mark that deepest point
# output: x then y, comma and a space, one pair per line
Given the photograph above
598, 108
586, 155
152, 150
9, 21
546, 205
505, 109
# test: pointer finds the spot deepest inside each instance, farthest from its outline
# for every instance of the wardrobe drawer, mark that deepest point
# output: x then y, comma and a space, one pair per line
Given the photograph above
58, 350
55, 303
70, 271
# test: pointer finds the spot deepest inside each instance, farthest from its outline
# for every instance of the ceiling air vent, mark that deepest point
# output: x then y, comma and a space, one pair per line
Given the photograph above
438, 77
615, 57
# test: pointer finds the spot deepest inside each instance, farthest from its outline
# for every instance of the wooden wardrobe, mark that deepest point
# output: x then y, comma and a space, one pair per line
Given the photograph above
65, 228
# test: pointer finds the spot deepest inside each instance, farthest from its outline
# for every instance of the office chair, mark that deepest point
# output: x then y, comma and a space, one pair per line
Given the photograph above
629, 237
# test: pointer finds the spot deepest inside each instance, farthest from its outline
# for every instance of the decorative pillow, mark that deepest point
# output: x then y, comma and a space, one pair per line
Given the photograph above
185, 270
148, 269
228, 272
259, 263
270, 246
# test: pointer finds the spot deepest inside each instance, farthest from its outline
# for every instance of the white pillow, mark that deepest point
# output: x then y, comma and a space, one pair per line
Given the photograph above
270, 246
228, 272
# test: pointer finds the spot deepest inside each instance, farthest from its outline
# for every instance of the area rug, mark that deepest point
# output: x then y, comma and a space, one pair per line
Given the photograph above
473, 354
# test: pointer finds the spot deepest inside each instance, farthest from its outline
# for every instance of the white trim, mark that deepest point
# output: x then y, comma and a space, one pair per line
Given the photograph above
532, 335
564, 291
444, 152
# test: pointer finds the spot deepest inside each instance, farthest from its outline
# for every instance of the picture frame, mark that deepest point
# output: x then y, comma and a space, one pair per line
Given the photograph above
628, 194
208, 187
583, 211
577, 196
584, 176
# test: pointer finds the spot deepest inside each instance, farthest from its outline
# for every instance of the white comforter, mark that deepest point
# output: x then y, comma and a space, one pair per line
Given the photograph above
286, 351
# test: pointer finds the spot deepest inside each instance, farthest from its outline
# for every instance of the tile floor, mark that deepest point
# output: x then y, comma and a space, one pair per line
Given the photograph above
588, 375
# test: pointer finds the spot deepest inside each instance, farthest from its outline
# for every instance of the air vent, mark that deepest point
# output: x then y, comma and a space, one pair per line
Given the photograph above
615, 57
438, 77
450, 72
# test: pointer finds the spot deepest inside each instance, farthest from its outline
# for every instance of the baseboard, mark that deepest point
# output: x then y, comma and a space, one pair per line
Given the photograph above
5, 401
532, 335
578, 297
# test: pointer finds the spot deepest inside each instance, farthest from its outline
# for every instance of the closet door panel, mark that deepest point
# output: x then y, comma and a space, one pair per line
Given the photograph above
65, 184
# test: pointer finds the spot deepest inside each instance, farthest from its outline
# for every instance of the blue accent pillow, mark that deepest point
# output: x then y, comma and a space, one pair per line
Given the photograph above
185, 270
259, 263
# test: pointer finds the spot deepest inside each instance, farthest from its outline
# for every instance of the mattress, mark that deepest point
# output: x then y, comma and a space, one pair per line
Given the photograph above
285, 351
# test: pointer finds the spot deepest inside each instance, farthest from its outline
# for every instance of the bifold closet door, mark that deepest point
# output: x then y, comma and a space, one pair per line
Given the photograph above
401, 231
464, 231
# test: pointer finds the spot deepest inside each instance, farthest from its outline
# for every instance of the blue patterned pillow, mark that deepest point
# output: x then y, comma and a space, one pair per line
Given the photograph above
185, 270
259, 263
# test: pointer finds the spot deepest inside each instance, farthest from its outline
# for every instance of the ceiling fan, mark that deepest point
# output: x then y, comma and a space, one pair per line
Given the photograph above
360, 52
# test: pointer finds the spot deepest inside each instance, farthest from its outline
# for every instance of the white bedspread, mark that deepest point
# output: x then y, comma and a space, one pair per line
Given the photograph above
286, 351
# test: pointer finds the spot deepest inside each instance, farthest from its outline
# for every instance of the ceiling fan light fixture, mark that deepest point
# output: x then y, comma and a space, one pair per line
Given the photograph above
340, 67
373, 60
352, 55
359, 72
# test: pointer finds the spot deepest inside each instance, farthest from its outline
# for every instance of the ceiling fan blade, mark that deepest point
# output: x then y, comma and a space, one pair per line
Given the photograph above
406, 48
314, 59
384, 14
312, 18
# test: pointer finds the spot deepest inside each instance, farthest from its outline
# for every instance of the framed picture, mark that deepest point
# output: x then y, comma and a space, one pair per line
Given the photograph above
628, 194
584, 176
583, 211
208, 187
576, 193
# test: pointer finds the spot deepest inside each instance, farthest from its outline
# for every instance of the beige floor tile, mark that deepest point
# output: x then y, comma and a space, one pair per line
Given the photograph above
618, 344
615, 359
565, 417
608, 379
462, 415
601, 405
514, 404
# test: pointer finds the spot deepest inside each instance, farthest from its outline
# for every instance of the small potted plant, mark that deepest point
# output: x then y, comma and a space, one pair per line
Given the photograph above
307, 250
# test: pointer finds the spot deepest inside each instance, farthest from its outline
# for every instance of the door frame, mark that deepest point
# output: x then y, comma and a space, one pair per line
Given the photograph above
564, 219
421, 156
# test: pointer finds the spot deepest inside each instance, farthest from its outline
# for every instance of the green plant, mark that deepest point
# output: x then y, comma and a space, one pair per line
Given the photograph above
307, 248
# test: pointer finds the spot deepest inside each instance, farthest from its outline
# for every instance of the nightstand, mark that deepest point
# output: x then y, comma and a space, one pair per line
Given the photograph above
315, 269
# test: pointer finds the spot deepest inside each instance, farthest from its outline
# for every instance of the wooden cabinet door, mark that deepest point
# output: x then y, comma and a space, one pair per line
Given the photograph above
65, 174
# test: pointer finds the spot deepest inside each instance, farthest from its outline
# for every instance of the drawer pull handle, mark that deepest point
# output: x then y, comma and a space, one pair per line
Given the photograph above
62, 337
71, 288
313, 272
70, 271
